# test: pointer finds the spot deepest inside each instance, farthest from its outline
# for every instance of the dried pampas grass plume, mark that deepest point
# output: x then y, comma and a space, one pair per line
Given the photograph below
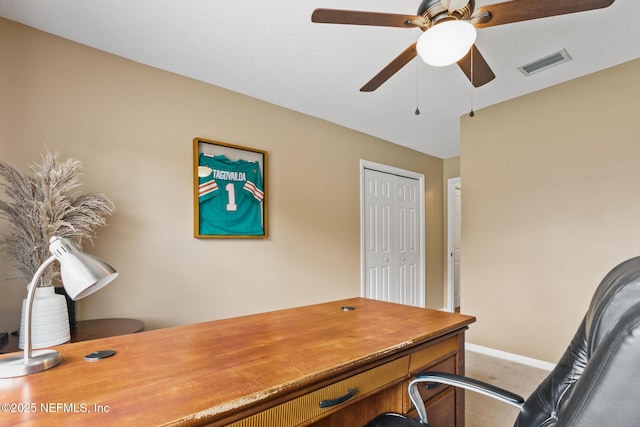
43, 206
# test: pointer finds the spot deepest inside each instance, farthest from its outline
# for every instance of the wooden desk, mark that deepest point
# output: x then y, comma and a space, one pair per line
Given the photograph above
263, 370
87, 330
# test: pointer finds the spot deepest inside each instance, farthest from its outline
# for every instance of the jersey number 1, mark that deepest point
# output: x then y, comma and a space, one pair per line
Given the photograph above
231, 197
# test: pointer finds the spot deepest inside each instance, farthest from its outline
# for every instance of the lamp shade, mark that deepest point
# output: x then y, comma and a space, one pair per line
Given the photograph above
82, 274
446, 42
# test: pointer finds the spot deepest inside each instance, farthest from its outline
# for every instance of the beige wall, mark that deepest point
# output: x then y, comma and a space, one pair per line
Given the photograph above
132, 127
550, 205
451, 168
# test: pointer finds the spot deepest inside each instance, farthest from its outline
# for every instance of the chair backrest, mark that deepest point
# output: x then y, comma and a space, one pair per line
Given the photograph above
597, 380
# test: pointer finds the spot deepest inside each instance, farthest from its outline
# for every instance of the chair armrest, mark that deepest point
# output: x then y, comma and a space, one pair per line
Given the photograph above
461, 382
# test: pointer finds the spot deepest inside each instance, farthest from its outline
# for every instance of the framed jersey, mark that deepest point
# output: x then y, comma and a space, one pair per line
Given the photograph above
230, 190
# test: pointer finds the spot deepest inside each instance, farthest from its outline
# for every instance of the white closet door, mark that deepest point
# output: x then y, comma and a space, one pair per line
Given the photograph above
378, 245
392, 238
407, 248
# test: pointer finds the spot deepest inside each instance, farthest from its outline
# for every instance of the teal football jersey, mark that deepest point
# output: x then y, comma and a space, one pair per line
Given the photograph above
230, 197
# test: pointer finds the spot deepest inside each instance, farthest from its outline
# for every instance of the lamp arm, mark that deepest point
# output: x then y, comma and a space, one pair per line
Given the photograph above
31, 291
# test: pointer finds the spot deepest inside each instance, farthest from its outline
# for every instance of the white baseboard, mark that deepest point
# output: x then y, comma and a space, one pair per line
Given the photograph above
510, 356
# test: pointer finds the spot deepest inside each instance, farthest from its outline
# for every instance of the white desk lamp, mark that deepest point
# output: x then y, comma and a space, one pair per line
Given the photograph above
82, 274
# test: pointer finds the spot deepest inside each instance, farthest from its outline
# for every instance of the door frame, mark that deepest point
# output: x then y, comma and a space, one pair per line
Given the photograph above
366, 164
450, 291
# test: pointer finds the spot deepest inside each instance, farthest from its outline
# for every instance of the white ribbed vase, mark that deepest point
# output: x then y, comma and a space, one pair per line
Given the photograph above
49, 319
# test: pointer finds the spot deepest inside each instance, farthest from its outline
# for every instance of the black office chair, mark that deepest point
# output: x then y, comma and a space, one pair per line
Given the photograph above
596, 383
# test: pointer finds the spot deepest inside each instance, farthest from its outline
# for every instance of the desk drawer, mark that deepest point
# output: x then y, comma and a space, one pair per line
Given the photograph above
308, 406
428, 391
429, 355
441, 410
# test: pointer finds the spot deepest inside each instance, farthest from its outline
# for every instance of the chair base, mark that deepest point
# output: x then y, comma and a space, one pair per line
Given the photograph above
391, 419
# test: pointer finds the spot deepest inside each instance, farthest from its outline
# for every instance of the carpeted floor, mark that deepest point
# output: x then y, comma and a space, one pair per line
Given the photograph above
482, 411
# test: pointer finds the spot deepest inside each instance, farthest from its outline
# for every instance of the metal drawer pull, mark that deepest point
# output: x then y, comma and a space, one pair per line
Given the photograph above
431, 386
333, 402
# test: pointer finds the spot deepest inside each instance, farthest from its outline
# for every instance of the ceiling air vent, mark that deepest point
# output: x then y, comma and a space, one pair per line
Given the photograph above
546, 62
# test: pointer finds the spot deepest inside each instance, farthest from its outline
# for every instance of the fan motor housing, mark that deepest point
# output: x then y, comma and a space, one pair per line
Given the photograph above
433, 12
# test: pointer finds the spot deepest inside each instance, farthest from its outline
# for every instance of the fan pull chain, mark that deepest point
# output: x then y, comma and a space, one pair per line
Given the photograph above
417, 113
471, 113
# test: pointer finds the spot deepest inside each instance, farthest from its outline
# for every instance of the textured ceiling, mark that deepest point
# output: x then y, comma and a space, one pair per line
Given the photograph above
271, 50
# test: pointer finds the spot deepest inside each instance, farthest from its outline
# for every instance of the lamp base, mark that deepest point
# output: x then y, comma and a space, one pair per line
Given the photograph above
40, 360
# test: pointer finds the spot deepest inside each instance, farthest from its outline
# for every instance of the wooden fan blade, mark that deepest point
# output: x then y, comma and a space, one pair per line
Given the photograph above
524, 10
388, 71
482, 73
333, 16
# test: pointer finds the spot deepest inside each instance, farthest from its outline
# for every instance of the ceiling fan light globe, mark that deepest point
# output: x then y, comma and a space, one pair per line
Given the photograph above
446, 43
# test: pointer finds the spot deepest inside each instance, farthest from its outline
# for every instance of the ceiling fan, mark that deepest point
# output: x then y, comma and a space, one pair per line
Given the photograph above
436, 15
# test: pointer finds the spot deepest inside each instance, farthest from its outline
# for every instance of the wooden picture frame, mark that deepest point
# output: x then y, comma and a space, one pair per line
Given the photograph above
229, 190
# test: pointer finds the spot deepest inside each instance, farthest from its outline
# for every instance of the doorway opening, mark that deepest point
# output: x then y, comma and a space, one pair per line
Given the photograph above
454, 227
